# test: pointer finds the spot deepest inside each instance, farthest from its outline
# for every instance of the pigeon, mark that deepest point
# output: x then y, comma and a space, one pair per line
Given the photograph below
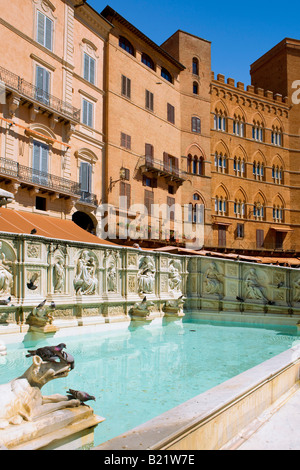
33, 231
81, 396
31, 284
41, 304
239, 299
52, 305
5, 302
48, 353
270, 302
280, 284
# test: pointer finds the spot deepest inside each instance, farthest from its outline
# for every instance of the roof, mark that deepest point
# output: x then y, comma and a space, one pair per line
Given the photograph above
21, 222
111, 14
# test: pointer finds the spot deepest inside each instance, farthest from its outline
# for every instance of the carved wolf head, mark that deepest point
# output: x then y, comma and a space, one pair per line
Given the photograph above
40, 372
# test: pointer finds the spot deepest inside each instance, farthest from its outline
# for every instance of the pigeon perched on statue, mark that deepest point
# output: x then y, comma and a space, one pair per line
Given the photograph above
47, 353
78, 395
31, 284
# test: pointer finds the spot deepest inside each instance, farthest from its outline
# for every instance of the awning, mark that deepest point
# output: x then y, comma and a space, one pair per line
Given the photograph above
282, 229
21, 222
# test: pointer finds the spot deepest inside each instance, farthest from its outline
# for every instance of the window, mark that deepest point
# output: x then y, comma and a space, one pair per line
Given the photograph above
125, 141
195, 88
277, 174
257, 131
89, 68
166, 75
171, 189
258, 211
171, 113
149, 100
258, 170
40, 203
44, 34
126, 45
195, 66
87, 113
42, 93
149, 200
220, 163
221, 235
171, 164
239, 166
220, 122
220, 205
125, 195
150, 182
126, 87
278, 214
40, 163
240, 231
239, 208
238, 126
259, 238
196, 125
147, 61
85, 180
276, 136
171, 205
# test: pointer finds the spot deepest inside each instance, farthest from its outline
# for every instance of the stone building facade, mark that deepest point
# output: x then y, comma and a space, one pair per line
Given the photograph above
96, 113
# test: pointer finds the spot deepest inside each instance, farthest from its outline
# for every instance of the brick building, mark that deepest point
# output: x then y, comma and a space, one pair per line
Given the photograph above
96, 112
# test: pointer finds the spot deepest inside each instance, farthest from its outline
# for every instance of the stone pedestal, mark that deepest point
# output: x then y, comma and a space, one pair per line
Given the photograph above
67, 429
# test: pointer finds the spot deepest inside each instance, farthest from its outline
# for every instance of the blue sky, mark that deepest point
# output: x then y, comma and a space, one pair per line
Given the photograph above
240, 31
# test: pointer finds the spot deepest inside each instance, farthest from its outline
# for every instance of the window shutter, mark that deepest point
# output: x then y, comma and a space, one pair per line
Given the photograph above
123, 85
90, 114
149, 152
84, 111
84, 176
92, 71
123, 139
49, 33
176, 166
86, 74
40, 28
166, 161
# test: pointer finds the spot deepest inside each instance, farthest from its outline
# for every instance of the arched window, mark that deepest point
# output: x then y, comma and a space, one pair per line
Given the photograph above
195, 88
166, 75
239, 166
220, 121
220, 205
258, 131
239, 208
276, 136
126, 45
195, 66
258, 211
277, 174
258, 170
278, 213
147, 61
238, 126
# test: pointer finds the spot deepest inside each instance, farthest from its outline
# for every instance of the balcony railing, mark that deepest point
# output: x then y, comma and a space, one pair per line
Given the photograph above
31, 92
88, 198
148, 164
23, 174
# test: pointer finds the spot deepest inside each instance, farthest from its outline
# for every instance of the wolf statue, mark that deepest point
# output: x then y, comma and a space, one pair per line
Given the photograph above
22, 400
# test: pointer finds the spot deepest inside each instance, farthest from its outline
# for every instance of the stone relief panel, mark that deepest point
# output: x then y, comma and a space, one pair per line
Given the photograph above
146, 275
132, 259
59, 273
111, 261
7, 258
132, 283
164, 283
34, 251
175, 276
296, 289
85, 281
213, 280
255, 285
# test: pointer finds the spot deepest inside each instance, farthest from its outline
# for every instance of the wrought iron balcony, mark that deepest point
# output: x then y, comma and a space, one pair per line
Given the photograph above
88, 198
29, 92
13, 171
160, 168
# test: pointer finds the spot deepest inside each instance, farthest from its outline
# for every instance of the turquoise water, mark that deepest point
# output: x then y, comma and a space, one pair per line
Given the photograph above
138, 373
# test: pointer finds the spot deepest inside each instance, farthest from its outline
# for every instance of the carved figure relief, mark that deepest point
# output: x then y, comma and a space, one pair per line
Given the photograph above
6, 278
213, 282
146, 275
86, 282
59, 275
296, 290
253, 287
111, 261
175, 279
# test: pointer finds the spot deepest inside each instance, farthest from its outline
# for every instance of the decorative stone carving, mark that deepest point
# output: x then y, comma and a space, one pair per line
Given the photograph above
86, 282
141, 310
296, 290
5, 197
111, 262
146, 275
59, 274
213, 282
174, 308
22, 400
175, 279
132, 284
33, 251
6, 278
41, 318
253, 289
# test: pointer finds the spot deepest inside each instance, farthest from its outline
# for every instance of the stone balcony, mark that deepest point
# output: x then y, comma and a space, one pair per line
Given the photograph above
160, 168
